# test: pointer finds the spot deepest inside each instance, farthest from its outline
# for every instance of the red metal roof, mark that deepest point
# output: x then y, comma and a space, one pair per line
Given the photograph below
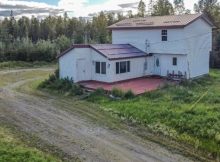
111, 51
168, 21
118, 51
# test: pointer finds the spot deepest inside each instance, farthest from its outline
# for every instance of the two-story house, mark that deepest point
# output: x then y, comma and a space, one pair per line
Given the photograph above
154, 45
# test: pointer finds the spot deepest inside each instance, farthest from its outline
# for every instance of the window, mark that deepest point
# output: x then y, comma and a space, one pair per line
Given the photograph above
117, 68
174, 61
157, 62
103, 68
164, 35
100, 67
97, 67
122, 67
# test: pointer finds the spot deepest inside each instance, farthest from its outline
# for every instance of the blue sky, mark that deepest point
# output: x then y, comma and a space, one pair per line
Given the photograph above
76, 8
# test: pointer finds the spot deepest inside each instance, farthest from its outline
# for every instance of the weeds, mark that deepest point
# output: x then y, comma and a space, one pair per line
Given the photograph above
64, 86
169, 111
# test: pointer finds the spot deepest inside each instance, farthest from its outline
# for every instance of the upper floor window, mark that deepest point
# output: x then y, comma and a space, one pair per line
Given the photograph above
100, 67
164, 35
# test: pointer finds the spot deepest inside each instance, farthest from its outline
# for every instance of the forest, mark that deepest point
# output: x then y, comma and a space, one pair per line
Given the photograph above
31, 39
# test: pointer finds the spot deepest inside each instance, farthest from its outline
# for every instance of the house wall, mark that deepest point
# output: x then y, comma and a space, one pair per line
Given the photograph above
166, 63
138, 37
136, 69
69, 68
198, 43
68, 64
100, 77
195, 41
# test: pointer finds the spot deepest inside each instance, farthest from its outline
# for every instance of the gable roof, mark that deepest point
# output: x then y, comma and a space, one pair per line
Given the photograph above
169, 21
111, 51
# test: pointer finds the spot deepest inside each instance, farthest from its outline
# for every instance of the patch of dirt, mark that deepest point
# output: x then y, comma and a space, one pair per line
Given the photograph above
75, 134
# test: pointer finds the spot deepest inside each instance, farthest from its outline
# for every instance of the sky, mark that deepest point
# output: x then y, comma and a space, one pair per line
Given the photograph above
76, 8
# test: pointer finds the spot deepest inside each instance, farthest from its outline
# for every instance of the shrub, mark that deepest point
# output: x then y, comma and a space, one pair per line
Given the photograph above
117, 92
99, 92
129, 94
76, 89
61, 85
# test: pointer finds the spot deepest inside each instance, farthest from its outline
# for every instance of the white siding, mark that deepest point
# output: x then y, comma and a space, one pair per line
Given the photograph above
136, 69
138, 38
198, 44
100, 77
166, 64
68, 63
193, 43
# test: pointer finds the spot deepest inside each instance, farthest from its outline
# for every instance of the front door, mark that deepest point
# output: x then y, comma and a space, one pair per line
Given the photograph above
157, 65
81, 69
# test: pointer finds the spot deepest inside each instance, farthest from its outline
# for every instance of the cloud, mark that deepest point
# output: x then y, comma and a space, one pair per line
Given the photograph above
82, 7
27, 8
73, 7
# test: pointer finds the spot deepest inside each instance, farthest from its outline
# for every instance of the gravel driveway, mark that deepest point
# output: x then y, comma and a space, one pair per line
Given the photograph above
52, 120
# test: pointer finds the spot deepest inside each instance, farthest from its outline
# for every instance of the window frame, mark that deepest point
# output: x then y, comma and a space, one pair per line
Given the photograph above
100, 69
103, 67
174, 61
164, 35
127, 67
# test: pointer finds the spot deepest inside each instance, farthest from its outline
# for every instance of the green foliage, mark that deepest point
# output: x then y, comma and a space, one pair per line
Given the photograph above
63, 43
64, 86
162, 7
141, 9
177, 111
99, 91
129, 94
117, 92
22, 64
97, 95
13, 150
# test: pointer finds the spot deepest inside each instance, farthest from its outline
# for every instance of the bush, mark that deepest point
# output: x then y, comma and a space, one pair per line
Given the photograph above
129, 94
61, 85
99, 92
117, 93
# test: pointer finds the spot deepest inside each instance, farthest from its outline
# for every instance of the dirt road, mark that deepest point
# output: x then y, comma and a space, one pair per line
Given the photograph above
76, 129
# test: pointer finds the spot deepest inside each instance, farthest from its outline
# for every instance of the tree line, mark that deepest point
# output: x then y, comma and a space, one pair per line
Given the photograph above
31, 39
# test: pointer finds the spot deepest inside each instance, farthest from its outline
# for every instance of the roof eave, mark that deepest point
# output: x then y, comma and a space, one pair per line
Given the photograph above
123, 58
152, 27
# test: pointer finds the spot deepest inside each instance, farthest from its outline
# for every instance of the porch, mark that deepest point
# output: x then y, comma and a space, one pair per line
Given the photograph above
138, 85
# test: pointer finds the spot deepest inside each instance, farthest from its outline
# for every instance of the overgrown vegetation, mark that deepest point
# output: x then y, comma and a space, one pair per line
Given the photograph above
64, 86
189, 112
22, 64
13, 149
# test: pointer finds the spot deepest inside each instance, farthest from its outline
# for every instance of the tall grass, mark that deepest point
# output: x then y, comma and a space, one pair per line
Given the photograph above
14, 150
188, 112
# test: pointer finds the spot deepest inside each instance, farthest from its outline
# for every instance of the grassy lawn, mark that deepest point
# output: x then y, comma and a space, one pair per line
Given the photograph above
14, 150
189, 112
8, 78
21, 64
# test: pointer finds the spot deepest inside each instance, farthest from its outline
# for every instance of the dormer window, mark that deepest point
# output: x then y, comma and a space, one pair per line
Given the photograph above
164, 35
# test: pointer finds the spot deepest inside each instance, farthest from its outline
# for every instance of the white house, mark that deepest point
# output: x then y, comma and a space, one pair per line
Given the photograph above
157, 45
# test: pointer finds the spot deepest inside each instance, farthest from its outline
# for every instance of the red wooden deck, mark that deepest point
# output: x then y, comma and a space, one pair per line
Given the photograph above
138, 86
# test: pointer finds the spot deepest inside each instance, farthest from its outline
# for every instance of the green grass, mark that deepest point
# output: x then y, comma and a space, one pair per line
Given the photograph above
8, 78
14, 150
22, 64
189, 112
